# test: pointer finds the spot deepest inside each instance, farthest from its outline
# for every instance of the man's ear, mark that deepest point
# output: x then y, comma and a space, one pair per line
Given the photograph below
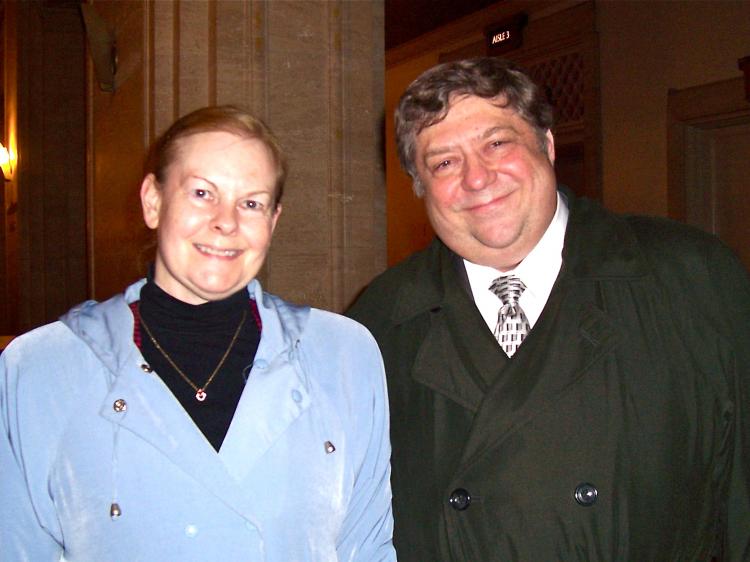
151, 201
550, 146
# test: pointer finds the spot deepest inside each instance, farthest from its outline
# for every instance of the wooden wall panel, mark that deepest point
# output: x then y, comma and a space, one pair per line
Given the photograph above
195, 50
299, 79
236, 56
9, 248
362, 186
116, 146
46, 102
162, 68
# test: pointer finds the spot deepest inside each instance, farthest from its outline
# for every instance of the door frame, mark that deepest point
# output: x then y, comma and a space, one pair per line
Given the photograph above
690, 111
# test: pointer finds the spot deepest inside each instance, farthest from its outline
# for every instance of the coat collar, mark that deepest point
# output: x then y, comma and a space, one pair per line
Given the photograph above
107, 327
598, 245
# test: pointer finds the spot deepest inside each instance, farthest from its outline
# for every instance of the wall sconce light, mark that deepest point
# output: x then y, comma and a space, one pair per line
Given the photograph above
6, 162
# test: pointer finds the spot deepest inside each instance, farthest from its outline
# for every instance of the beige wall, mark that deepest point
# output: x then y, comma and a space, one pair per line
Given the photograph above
313, 70
646, 49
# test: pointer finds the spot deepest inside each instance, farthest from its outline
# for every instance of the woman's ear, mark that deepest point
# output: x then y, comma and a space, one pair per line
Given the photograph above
275, 217
151, 201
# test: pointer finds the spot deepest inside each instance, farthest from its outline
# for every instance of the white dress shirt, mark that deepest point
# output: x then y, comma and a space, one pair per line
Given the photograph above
538, 272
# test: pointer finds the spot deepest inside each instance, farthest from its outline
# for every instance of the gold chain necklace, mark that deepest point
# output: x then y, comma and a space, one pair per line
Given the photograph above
200, 392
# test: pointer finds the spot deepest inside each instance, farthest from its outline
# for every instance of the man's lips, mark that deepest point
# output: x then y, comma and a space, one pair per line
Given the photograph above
218, 252
489, 205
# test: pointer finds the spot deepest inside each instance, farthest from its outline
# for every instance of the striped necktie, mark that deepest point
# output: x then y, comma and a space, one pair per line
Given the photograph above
512, 324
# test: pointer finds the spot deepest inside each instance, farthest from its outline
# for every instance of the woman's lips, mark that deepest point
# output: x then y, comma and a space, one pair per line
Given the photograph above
218, 252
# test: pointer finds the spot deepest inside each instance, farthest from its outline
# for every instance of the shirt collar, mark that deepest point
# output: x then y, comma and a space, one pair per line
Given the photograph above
538, 271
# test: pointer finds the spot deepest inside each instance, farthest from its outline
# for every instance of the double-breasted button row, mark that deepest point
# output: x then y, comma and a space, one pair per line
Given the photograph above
460, 499
585, 495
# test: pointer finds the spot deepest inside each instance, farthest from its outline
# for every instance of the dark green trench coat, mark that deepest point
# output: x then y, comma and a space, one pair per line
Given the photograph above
619, 431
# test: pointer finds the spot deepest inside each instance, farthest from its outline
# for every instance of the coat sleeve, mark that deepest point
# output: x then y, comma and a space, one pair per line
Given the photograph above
367, 532
733, 294
23, 536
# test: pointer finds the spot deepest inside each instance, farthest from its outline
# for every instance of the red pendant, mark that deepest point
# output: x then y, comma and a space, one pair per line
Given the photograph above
200, 396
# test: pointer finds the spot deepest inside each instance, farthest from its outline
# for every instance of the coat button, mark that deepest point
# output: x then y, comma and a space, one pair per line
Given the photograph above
119, 405
586, 494
460, 499
146, 368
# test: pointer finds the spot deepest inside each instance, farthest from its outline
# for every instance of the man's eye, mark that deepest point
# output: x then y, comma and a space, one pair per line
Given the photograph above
442, 164
497, 143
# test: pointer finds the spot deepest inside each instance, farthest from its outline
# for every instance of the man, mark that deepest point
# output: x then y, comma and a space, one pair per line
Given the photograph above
601, 416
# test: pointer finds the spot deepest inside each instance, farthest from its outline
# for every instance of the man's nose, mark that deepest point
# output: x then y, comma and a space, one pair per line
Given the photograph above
476, 173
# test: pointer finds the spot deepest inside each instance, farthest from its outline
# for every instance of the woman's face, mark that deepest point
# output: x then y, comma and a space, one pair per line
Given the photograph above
214, 215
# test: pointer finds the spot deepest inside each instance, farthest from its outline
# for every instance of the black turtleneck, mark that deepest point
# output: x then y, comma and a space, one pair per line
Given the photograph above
196, 337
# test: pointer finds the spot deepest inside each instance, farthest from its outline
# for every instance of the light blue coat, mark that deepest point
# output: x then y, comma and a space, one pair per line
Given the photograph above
276, 491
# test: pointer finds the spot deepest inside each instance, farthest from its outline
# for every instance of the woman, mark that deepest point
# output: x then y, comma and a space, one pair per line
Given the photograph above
195, 417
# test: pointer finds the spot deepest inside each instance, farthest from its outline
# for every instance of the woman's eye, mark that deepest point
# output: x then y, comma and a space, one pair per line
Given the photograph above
201, 193
252, 204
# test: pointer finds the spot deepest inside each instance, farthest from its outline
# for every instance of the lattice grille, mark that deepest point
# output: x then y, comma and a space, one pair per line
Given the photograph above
562, 79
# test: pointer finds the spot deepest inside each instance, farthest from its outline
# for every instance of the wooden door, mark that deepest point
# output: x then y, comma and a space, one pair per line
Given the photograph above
709, 161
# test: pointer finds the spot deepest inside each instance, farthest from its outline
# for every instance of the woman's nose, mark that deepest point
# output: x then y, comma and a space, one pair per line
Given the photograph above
224, 219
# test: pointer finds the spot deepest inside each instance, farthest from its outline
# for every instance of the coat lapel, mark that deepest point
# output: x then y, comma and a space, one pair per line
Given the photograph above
273, 398
572, 335
439, 366
458, 356
275, 394
156, 417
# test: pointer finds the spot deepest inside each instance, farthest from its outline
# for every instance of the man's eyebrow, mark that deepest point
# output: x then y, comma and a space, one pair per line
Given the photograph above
436, 151
500, 128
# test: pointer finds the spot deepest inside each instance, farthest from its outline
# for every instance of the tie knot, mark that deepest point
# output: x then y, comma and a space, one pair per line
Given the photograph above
508, 289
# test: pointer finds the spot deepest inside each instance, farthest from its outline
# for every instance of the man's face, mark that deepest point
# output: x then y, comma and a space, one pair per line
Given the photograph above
490, 189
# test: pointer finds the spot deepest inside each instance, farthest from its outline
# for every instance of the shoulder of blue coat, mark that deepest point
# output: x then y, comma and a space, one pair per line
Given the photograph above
342, 359
324, 324
37, 343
